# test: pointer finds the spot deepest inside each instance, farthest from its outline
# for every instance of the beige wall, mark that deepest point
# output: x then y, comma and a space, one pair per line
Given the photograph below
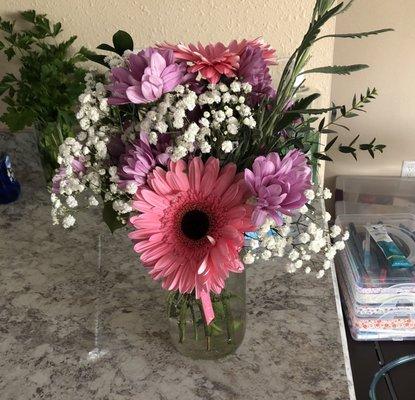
280, 22
391, 118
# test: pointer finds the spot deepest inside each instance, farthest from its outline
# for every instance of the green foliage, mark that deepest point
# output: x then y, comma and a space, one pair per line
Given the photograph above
121, 41
358, 35
283, 127
336, 69
358, 104
110, 217
49, 82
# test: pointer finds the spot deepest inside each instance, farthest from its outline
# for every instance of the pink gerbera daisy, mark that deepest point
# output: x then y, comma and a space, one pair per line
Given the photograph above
191, 226
212, 61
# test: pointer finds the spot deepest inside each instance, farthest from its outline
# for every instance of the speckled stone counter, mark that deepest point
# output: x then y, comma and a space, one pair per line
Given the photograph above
71, 331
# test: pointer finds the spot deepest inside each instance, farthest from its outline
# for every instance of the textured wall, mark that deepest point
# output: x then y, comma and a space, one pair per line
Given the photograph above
280, 22
390, 118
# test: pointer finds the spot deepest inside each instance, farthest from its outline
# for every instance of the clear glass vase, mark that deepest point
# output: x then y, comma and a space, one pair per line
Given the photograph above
49, 137
188, 331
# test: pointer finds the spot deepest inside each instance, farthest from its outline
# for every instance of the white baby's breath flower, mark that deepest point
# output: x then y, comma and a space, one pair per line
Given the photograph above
71, 202
335, 231
84, 123
232, 129
327, 216
235, 86
153, 138
304, 237
339, 245
291, 268
254, 244
205, 147
266, 255
68, 221
320, 274
246, 87
293, 255
249, 258
131, 188
249, 122
227, 146
309, 194
92, 201
327, 193
330, 253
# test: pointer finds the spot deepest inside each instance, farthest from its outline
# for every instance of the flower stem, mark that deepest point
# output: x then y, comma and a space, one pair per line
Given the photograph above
207, 329
182, 320
192, 312
228, 316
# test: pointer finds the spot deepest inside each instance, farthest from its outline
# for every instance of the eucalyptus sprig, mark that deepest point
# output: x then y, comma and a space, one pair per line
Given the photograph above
358, 105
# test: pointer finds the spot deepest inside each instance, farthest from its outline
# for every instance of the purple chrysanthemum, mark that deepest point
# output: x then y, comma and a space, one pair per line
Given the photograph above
150, 73
254, 70
278, 185
137, 161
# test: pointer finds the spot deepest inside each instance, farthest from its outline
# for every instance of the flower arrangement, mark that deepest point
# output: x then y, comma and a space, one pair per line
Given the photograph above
206, 160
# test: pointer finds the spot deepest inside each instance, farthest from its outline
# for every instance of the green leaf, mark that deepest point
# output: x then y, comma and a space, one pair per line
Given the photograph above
91, 55
57, 28
330, 144
16, 121
10, 53
29, 15
9, 78
106, 47
345, 7
337, 69
358, 35
321, 125
341, 126
351, 115
314, 110
122, 41
110, 217
1, 45
7, 26
354, 141
346, 149
320, 156
3, 88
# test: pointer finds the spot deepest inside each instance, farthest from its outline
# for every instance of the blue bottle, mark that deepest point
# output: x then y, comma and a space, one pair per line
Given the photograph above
9, 186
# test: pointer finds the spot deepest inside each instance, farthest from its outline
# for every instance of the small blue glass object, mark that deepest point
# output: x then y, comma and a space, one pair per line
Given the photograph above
9, 186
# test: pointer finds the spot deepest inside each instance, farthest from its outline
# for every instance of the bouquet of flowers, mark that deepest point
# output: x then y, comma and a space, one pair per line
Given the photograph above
206, 160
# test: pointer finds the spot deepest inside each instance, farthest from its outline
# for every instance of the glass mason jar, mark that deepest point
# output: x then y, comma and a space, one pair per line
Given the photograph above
190, 334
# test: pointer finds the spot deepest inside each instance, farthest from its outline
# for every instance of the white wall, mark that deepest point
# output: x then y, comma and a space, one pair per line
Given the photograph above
390, 118
280, 22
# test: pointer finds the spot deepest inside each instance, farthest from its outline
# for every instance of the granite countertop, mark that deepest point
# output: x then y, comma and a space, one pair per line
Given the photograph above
70, 331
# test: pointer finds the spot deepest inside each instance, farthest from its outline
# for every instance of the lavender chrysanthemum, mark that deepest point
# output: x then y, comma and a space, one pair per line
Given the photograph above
254, 70
138, 160
150, 74
278, 185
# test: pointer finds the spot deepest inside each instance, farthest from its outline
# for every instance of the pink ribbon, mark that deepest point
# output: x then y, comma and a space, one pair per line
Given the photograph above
207, 305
